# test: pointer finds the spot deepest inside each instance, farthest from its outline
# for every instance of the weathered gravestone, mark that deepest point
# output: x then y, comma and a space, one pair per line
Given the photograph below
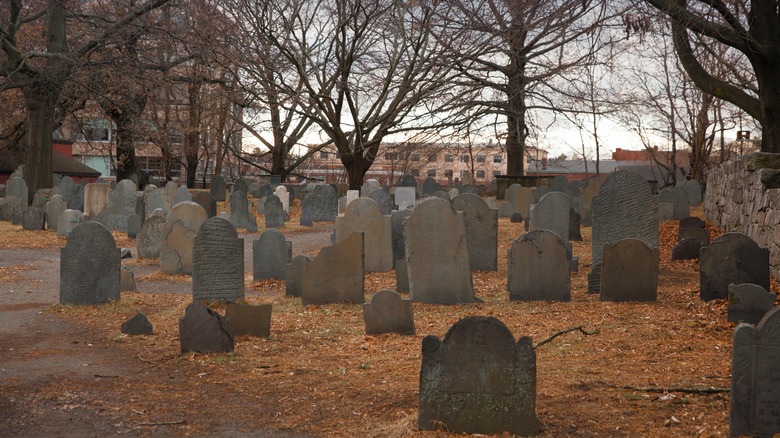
397, 221
692, 222
246, 319
388, 313
9, 206
204, 330
666, 205
218, 188
68, 220
437, 258
134, 224
284, 196
168, 193
351, 196
701, 235
481, 231
137, 325
574, 191
177, 238
559, 184
682, 208
385, 201
755, 378
205, 200
731, 258
629, 271
468, 189
240, 185
506, 209
17, 187
123, 201
265, 191
153, 200
293, 275
254, 190
240, 216
552, 213
182, 195
306, 219
574, 226
54, 210
217, 263
749, 303
430, 186
478, 380
539, 193
42, 196
693, 190
687, 249
405, 197
270, 255
590, 189
363, 216
72, 192
370, 186
336, 274
127, 280
523, 198
33, 218
274, 212
324, 204
538, 268
148, 240
90, 266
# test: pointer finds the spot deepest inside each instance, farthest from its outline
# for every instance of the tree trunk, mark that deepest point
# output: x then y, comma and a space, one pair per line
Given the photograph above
768, 76
517, 131
39, 126
192, 138
126, 165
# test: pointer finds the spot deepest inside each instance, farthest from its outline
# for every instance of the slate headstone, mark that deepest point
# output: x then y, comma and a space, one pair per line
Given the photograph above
590, 188
629, 271
692, 222
731, 258
42, 196
274, 212
506, 209
574, 226
217, 263
205, 200
430, 186
9, 206
324, 204
481, 231
687, 249
134, 224
701, 235
33, 218
239, 212
306, 219
182, 195
270, 255
204, 330
749, 303
336, 274
137, 325
16, 186
177, 237
68, 220
468, 189
370, 186
363, 216
240, 185
552, 213
218, 188
54, 210
693, 190
537, 268
388, 313
385, 201
293, 278
405, 197
127, 280
148, 240
90, 266
516, 218
72, 192
246, 319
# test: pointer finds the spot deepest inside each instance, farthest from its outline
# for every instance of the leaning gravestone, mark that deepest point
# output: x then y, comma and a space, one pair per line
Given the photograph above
731, 258
293, 276
478, 380
217, 263
552, 213
755, 378
148, 240
16, 186
204, 330
538, 268
481, 231
324, 204
177, 238
33, 218
437, 258
629, 271
90, 266
54, 210
274, 212
363, 216
336, 274
749, 303
385, 201
388, 313
218, 188
246, 319
270, 255
96, 199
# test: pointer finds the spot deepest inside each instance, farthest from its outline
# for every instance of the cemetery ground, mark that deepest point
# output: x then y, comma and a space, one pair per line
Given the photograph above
615, 369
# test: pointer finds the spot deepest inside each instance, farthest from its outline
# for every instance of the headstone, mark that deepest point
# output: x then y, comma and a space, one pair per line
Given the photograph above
182, 195
274, 212
478, 380
430, 186
177, 238
205, 200
153, 200
516, 218
123, 201
539, 193
240, 185
137, 325
341, 189
270, 255
693, 190
405, 197
523, 198
388, 313
731, 258
265, 191
168, 193
574, 191
204, 330
692, 222
239, 212
468, 189
217, 262
351, 196
254, 190
481, 231
148, 240
384, 200
590, 189
506, 209
54, 210
755, 378
559, 184
749, 303
629, 271
336, 274
363, 216
127, 280
134, 223
67, 221
407, 181
246, 319
218, 188
441, 194
437, 259
370, 186
397, 221
538, 268
324, 204
284, 196
9, 206
89, 266
16, 186
552, 213
681, 204
306, 203
700, 234
42, 196
72, 192
293, 277
574, 226
33, 218
687, 249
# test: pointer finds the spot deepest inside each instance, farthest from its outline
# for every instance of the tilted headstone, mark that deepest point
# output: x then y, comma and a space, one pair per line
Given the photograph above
385, 201
240, 185
481, 231
478, 380
755, 378
204, 330
90, 266
336, 274
270, 255
54, 210
42, 196
217, 262
148, 240
68, 220
205, 200
137, 325
629, 271
731, 258
693, 190
388, 313
363, 216
246, 319
590, 189
405, 197
369, 186
274, 212
538, 268
218, 188
324, 204
16, 186
177, 238
182, 195
430, 186
293, 276
552, 213
33, 218
437, 259
749, 303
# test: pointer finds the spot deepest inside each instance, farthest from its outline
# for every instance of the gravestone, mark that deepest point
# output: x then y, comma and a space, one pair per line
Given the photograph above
468, 189
441, 194
574, 226
481, 231
363, 216
629, 271
559, 184
692, 222
72, 192
204, 330
218, 188
478, 380
336, 274
240, 216
137, 325
284, 196
539, 193
148, 240
430, 186
205, 200
701, 235
731, 258
370, 186
265, 191
96, 199
89, 266
452, 193
538, 268
574, 191
341, 189
397, 221
54, 210
590, 189
384, 200
17, 187
123, 201
407, 181
217, 262
9, 206
168, 193
126, 280
293, 276
69, 219
506, 209
437, 259
254, 190
516, 218
42, 196
182, 195
240, 185
324, 204
552, 213
755, 378
153, 200
33, 218
351, 196
306, 203
270, 255
388, 313
246, 319
687, 249
693, 190
177, 237
134, 224
681, 204
405, 197
274, 212
749, 303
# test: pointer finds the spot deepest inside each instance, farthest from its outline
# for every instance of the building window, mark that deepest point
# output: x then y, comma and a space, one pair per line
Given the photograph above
415, 157
480, 158
391, 156
480, 174
448, 173
324, 155
498, 159
96, 130
497, 173
432, 158
464, 158
432, 173
449, 158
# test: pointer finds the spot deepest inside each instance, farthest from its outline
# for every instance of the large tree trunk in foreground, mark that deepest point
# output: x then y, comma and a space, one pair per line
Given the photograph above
41, 102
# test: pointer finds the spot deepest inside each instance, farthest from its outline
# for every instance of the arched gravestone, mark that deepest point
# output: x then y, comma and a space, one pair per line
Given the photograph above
478, 380
552, 213
629, 272
218, 188
123, 201
523, 198
336, 274
468, 189
168, 192
293, 278
437, 258
538, 268
90, 266
481, 231
42, 196
33, 218
148, 240
96, 199
574, 191
270, 255
755, 378
16, 186
385, 201
749, 303
274, 212
539, 192
205, 200
693, 190
217, 263
370, 186
240, 186
72, 192
731, 258
363, 216
397, 221
54, 210
590, 188
177, 238
388, 313
559, 184
430, 186
182, 195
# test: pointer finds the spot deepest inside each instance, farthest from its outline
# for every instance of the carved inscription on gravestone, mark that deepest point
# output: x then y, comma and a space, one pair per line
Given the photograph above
89, 266
217, 262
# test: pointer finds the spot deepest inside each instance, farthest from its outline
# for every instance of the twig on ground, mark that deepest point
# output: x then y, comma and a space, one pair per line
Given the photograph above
675, 389
580, 328
164, 423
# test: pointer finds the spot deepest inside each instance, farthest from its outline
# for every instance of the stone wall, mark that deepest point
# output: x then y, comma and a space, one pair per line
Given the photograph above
744, 196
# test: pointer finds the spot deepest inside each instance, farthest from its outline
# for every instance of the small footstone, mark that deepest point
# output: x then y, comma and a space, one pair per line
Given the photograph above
388, 313
204, 330
137, 325
687, 249
246, 319
127, 281
516, 218
126, 254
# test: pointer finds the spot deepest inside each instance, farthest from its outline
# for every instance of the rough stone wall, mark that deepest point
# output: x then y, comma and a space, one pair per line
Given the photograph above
744, 196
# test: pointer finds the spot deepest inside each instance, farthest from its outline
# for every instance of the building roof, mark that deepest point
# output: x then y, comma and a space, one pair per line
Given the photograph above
60, 164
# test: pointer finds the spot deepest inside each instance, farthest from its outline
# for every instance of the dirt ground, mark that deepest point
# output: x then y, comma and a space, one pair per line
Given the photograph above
67, 370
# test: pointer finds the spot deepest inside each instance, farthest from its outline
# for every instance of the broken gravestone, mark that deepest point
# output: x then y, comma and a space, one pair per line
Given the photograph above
204, 330
293, 278
137, 325
388, 313
246, 319
336, 274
